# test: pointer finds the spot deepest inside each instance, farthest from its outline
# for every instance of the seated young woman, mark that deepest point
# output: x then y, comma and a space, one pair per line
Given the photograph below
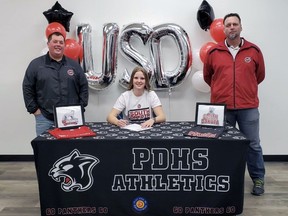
139, 104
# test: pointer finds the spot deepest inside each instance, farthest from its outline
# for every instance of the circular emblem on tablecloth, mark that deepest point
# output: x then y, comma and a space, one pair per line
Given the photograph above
140, 204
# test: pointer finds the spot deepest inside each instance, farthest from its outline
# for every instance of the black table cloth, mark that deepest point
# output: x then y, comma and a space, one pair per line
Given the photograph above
156, 172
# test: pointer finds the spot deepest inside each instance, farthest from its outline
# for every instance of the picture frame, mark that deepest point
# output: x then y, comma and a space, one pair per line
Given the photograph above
210, 114
67, 117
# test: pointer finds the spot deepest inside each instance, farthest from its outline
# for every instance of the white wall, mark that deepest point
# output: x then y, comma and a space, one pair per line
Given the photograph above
22, 38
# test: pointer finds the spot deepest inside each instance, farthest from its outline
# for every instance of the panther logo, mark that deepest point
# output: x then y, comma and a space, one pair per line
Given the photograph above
74, 171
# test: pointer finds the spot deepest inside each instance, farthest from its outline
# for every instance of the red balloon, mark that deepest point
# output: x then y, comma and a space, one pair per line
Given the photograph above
81, 52
217, 30
55, 27
80, 57
204, 49
72, 49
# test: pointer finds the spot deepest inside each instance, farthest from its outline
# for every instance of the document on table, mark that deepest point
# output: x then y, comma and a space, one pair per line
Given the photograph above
135, 127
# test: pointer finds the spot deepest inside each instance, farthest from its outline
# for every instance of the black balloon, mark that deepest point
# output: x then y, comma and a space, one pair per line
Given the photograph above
58, 14
205, 15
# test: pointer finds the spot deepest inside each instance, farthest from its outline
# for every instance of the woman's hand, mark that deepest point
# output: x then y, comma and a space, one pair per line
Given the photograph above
122, 123
148, 123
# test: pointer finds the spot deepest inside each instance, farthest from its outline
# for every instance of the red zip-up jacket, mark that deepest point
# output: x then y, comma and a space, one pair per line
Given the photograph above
234, 82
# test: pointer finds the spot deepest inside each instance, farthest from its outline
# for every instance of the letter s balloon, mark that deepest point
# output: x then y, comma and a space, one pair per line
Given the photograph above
143, 32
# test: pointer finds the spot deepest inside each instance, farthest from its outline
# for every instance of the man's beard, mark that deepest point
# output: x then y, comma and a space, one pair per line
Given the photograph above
233, 36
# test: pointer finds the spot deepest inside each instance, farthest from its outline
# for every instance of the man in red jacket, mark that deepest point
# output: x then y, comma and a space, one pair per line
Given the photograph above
233, 69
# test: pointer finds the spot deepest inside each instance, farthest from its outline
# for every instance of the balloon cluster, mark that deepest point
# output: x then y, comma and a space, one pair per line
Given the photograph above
59, 21
205, 17
158, 77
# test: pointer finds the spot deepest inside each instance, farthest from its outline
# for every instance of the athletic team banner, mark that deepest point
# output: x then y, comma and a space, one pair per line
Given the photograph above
152, 172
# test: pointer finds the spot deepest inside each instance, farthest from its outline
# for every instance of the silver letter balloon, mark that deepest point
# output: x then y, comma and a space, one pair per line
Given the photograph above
159, 78
100, 80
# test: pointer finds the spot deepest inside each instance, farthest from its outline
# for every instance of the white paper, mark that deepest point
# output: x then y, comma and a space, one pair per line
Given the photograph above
135, 127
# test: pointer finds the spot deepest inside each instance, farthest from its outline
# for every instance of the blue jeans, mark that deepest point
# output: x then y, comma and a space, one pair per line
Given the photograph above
42, 124
248, 122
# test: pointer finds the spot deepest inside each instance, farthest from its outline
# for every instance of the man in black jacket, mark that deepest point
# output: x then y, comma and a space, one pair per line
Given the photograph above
51, 80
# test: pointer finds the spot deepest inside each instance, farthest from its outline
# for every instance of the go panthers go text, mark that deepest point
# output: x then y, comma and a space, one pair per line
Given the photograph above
77, 210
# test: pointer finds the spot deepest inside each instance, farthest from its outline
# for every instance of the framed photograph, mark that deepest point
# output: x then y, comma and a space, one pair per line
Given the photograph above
71, 116
212, 115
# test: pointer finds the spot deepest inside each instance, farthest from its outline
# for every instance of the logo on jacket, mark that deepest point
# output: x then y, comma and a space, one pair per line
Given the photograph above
247, 59
70, 72
74, 171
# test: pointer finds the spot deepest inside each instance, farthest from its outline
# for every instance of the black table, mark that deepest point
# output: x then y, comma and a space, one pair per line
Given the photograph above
156, 172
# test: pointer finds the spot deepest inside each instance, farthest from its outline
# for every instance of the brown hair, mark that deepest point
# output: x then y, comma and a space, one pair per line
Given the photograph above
135, 70
54, 33
231, 15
